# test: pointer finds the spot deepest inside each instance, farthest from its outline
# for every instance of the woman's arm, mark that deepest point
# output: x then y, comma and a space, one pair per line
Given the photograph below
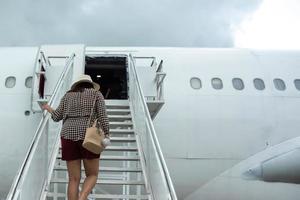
101, 114
48, 108
57, 114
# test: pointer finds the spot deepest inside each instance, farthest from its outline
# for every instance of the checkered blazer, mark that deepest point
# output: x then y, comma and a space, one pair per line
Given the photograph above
75, 109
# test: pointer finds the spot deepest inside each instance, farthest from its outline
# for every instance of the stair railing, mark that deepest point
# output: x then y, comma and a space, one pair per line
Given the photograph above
159, 77
33, 175
155, 166
43, 59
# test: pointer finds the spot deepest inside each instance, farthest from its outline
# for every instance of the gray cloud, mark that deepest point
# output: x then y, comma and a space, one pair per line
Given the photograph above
191, 23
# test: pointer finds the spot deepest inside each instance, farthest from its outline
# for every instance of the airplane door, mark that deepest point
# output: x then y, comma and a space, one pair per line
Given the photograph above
50, 63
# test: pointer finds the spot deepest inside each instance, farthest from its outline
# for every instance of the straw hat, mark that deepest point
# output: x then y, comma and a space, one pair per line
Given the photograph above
85, 79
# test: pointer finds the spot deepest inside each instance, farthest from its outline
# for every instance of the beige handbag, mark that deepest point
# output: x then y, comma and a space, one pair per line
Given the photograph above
93, 136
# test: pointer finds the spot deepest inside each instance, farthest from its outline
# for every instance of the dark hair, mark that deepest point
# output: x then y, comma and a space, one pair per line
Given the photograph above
81, 86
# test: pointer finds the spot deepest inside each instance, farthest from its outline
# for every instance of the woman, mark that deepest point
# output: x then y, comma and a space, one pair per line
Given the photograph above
75, 109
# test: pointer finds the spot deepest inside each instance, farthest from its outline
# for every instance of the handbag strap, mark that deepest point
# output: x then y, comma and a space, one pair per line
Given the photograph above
89, 122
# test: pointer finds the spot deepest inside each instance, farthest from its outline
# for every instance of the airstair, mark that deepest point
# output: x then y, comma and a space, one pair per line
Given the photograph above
120, 164
133, 167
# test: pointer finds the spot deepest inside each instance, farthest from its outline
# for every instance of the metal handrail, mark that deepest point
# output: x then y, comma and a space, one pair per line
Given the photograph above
44, 58
153, 63
62, 76
143, 57
58, 57
153, 134
160, 80
39, 131
159, 68
159, 73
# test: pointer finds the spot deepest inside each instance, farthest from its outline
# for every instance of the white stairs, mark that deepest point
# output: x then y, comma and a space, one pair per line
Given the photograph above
121, 175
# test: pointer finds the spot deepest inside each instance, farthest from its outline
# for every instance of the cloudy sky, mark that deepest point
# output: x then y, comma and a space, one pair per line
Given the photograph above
188, 23
205, 23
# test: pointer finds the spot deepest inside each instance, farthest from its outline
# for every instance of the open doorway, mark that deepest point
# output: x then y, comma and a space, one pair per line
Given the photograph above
110, 72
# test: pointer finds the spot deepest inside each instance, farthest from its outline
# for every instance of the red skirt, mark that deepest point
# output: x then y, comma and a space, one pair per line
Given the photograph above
73, 150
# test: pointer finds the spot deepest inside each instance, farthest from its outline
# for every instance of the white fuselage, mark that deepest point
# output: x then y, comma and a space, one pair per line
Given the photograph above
207, 135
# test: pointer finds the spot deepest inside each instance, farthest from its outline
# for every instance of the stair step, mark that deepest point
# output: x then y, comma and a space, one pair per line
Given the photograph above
104, 169
118, 196
121, 158
122, 139
105, 196
121, 131
102, 181
120, 148
113, 158
119, 117
117, 104
117, 107
118, 111
121, 123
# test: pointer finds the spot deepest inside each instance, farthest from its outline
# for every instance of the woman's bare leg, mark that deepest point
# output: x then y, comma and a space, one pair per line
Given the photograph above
74, 172
91, 167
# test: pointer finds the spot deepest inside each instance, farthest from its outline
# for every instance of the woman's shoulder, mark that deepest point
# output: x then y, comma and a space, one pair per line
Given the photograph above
69, 94
99, 94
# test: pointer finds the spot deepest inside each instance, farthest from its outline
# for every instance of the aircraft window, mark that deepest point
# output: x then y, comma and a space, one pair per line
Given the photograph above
27, 112
259, 84
195, 83
297, 84
10, 82
28, 82
279, 84
238, 83
217, 83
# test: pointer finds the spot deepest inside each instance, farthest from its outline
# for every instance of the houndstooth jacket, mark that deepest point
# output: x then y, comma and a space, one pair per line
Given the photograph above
75, 109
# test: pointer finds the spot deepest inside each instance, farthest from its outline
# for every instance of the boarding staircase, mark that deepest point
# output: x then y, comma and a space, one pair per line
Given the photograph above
121, 175
133, 167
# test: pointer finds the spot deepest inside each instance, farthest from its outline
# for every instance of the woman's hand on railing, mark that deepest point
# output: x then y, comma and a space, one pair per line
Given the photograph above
47, 107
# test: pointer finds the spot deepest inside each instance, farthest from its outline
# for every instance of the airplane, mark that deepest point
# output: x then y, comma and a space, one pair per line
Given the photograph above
205, 123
